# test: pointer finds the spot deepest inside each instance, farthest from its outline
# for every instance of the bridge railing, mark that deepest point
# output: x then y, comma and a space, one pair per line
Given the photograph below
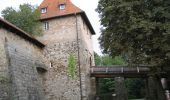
119, 70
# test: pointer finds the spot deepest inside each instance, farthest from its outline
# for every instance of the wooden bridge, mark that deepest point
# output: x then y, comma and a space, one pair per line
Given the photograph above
120, 71
141, 71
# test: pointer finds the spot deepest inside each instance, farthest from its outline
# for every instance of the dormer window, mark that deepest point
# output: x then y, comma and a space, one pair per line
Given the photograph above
62, 6
43, 10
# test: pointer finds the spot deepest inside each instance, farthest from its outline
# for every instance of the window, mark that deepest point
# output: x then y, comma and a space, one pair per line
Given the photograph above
90, 61
43, 10
51, 64
46, 25
62, 6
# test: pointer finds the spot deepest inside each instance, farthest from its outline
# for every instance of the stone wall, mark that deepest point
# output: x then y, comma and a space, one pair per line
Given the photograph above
61, 40
60, 30
59, 86
4, 77
86, 60
23, 65
20, 61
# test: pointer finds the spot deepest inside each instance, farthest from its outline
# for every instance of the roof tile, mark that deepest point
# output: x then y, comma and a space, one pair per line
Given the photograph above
54, 11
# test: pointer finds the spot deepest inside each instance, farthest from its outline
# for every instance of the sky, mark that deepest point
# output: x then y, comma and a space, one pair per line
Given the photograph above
88, 6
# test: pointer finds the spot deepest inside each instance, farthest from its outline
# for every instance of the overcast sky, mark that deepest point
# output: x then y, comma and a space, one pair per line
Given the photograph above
88, 6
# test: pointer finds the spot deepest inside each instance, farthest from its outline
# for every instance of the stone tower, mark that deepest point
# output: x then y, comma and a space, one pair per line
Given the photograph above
67, 30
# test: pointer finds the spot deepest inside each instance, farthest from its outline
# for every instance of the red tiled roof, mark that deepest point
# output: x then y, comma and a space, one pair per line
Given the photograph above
54, 11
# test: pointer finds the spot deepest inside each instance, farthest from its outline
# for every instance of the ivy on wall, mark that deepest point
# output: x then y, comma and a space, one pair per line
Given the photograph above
71, 66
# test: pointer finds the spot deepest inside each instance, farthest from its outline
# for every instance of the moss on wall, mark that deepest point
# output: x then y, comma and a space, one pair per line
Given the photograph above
3, 80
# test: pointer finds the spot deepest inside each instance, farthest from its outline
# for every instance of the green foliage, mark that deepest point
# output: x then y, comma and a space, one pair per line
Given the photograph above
136, 88
71, 66
97, 59
117, 60
106, 60
107, 84
139, 29
26, 18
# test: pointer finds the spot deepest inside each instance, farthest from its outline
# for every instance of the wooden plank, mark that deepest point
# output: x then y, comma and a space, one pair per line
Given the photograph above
116, 71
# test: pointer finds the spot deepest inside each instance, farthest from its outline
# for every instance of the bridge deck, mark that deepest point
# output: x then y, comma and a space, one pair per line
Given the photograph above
119, 71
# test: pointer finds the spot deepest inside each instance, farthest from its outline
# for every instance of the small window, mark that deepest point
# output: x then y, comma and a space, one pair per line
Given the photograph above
90, 61
51, 64
62, 6
46, 25
43, 10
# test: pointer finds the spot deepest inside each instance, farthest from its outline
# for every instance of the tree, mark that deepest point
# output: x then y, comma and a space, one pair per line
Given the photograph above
97, 59
139, 29
136, 88
25, 18
106, 60
107, 85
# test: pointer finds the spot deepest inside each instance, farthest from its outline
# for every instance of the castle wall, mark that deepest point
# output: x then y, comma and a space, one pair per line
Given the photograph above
60, 30
61, 41
19, 68
87, 60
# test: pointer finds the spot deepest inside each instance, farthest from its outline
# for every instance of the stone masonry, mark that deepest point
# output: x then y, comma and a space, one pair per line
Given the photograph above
34, 70
20, 59
61, 40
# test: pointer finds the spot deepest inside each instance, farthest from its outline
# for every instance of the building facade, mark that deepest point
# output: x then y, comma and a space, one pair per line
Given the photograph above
37, 69
67, 30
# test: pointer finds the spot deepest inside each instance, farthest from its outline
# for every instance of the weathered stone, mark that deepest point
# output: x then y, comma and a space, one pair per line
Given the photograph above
33, 73
19, 79
59, 44
120, 90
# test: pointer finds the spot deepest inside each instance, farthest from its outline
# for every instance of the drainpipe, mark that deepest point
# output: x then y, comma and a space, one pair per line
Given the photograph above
78, 57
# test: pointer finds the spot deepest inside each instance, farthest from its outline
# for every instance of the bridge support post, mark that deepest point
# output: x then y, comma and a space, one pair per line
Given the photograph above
156, 91
97, 87
93, 88
147, 89
120, 89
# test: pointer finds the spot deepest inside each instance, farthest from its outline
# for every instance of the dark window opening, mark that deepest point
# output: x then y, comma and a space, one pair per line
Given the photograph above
43, 10
46, 25
62, 6
90, 61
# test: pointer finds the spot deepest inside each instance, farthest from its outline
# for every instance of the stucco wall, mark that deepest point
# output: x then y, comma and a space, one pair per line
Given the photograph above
19, 62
